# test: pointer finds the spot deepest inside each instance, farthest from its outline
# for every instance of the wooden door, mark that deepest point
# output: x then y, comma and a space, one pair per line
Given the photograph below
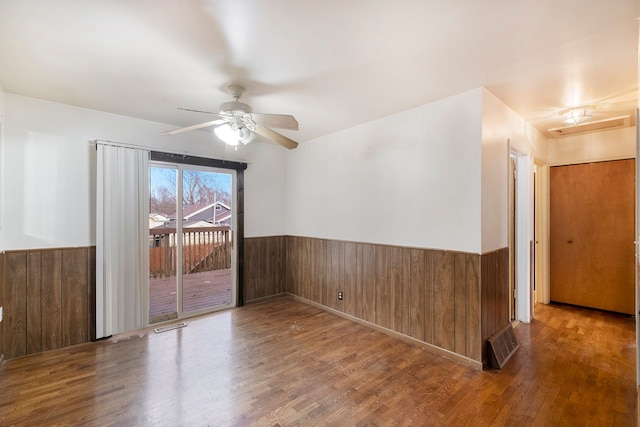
592, 232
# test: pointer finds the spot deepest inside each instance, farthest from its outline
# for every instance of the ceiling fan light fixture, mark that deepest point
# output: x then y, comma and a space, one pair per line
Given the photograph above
234, 133
236, 124
578, 116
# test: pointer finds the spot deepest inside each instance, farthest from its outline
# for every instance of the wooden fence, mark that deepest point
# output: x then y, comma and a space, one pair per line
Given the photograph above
203, 249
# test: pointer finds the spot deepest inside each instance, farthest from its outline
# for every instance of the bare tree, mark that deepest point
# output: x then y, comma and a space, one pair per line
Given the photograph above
197, 188
163, 201
162, 194
191, 187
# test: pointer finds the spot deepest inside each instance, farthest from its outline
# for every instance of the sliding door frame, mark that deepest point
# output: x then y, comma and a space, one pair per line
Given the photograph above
239, 168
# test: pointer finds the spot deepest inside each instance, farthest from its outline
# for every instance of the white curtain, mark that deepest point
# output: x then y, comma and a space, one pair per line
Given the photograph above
122, 239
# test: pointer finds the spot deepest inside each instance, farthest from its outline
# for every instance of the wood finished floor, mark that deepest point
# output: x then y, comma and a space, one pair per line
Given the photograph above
285, 363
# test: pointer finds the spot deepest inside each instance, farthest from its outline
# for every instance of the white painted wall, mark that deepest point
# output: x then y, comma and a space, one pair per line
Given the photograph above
502, 130
265, 201
611, 144
410, 179
47, 182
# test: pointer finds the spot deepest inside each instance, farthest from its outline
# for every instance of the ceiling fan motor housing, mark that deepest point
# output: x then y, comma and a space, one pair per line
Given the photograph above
235, 106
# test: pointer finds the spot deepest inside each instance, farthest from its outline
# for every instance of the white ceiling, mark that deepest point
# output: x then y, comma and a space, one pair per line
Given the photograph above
331, 63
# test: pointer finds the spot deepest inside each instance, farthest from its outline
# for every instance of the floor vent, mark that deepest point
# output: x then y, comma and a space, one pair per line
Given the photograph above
170, 327
502, 345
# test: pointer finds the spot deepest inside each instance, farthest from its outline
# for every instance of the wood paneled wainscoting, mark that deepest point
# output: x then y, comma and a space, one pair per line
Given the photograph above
264, 267
451, 301
431, 296
48, 297
494, 268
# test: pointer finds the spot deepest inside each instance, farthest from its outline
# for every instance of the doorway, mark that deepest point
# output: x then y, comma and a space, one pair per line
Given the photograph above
191, 234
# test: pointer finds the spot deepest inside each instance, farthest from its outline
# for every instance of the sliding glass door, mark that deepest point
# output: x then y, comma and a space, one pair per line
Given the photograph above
191, 230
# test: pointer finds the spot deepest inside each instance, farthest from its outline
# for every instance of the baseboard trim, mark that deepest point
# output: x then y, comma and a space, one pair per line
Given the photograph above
267, 298
429, 347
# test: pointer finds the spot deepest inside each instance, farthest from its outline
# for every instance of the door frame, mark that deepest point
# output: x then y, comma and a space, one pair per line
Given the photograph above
180, 236
542, 232
637, 254
238, 200
512, 236
180, 168
524, 215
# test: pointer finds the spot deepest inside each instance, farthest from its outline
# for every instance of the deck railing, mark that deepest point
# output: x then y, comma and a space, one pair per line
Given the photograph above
203, 249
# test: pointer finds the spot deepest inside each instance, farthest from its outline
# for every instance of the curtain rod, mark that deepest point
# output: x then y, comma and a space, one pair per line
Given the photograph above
148, 148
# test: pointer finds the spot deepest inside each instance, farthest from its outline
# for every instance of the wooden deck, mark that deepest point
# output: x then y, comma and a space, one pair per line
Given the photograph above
284, 363
201, 290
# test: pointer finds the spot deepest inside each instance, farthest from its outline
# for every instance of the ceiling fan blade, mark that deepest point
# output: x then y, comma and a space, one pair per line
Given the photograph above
275, 137
196, 111
194, 127
280, 121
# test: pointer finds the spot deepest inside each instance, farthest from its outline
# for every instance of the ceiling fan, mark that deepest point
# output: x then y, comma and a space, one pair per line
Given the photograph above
237, 124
